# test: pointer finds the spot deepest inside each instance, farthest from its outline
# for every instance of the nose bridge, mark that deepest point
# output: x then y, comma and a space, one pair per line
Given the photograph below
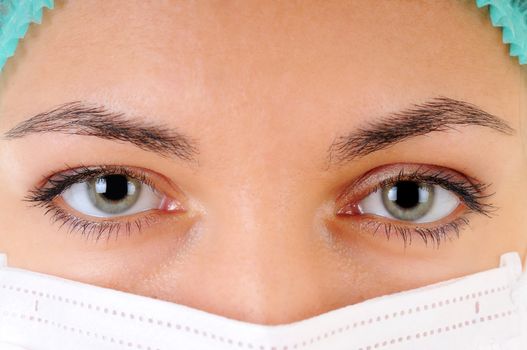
258, 256
267, 220
267, 259
257, 252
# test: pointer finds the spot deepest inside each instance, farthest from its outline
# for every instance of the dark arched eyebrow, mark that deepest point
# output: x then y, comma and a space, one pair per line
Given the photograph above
80, 118
438, 114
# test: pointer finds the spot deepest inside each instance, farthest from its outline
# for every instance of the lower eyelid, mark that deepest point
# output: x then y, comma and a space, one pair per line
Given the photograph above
460, 210
155, 216
49, 196
433, 234
97, 229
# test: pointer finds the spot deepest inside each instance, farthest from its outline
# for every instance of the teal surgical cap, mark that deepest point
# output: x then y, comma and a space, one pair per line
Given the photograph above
15, 17
511, 15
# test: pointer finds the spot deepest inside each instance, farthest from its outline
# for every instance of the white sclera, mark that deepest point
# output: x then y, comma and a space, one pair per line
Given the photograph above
78, 198
444, 203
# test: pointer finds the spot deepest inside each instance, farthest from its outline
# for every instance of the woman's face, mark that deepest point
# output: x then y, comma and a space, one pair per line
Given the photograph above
286, 142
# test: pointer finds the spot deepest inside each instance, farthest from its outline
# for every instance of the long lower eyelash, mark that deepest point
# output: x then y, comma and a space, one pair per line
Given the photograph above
434, 235
43, 197
95, 230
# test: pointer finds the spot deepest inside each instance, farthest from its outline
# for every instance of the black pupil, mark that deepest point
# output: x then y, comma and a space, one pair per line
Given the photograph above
116, 187
407, 194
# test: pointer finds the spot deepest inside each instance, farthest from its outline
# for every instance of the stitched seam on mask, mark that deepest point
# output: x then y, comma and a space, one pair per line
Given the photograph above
438, 330
70, 329
233, 342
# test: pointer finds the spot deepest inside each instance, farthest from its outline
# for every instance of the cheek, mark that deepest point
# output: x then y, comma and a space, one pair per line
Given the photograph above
20, 229
509, 225
505, 229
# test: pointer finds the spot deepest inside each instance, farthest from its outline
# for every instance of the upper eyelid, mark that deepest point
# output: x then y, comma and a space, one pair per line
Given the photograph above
366, 183
406, 169
46, 192
360, 186
86, 172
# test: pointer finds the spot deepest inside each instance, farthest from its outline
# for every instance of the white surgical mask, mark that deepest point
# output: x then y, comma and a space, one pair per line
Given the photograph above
482, 311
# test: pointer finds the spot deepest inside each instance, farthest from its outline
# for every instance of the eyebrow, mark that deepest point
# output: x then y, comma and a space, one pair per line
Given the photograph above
438, 114
80, 118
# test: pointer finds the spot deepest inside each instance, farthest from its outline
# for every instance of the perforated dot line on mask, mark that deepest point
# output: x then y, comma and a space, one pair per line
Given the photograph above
200, 332
439, 330
79, 331
383, 344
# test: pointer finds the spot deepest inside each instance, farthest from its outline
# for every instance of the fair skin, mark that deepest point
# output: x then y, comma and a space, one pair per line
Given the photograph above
263, 88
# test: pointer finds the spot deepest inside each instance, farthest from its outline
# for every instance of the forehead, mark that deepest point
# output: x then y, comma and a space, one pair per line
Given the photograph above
266, 59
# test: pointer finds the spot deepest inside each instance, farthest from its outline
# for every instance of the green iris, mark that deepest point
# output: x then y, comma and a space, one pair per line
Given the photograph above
408, 200
113, 194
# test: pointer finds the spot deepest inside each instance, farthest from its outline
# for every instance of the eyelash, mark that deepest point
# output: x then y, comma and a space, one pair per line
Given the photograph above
56, 184
471, 193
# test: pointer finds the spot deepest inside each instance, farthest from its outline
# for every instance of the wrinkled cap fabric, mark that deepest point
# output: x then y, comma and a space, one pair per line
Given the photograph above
15, 18
511, 16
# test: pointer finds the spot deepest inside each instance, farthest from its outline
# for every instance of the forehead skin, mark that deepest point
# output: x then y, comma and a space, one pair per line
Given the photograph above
265, 87
267, 59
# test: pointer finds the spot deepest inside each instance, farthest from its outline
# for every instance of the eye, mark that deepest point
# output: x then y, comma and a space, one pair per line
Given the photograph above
110, 198
408, 200
111, 195
413, 199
